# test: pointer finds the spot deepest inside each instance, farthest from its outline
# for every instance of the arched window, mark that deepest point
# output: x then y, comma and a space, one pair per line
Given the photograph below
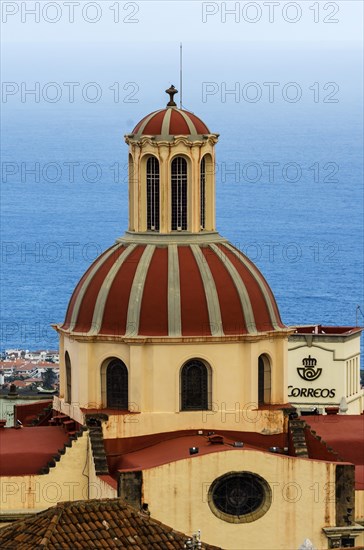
68, 393
117, 385
153, 194
179, 194
195, 384
264, 380
203, 194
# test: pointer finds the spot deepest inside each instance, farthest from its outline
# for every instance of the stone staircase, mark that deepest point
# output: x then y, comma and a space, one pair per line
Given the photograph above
97, 445
75, 430
298, 437
43, 417
60, 419
73, 436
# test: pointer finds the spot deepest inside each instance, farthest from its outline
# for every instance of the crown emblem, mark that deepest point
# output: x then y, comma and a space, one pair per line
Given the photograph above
309, 361
309, 372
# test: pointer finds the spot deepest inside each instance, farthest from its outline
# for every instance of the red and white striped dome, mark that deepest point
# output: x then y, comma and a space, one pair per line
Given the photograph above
170, 122
172, 290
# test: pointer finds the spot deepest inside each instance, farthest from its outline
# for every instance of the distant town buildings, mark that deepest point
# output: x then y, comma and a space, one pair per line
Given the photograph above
26, 369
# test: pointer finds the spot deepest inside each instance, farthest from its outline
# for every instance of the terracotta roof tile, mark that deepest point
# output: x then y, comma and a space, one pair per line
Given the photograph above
109, 523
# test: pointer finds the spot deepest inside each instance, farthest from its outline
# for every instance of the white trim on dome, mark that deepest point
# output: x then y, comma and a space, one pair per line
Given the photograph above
212, 299
165, 126
190, 124
166, 123
104, 290
241, 289
174, 292
136, 293
99, 262
254, 271
148, 118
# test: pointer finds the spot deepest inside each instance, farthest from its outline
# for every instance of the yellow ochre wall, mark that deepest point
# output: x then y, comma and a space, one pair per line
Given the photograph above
73, 478
298, 510
154, 387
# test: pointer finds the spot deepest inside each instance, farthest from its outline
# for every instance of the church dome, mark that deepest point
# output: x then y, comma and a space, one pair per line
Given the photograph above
170, 121
152, 289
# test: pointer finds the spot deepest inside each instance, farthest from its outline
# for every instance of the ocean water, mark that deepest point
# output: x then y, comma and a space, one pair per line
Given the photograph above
299, 219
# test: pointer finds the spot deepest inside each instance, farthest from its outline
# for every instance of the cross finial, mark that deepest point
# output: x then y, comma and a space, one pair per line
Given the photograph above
171, 91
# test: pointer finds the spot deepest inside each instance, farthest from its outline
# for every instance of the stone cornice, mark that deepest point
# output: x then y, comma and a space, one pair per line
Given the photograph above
141, 340
175, 237
168, 140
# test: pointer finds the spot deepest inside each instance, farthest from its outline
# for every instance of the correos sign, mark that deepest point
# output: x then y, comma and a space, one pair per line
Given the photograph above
309, 372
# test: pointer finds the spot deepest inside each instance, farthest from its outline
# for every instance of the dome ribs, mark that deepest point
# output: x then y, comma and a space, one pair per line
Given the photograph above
114, 321
258, 292
244, 292
194, 312
91, 290
178, 124
105, 287
213, 304
171, 122
230, 301
174, 292
200, 126
154, 124
86, 295
136, 293
140, 126
153, 319
76, 292
271, 301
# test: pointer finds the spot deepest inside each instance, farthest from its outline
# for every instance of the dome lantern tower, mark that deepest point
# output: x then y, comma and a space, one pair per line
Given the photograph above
171, 173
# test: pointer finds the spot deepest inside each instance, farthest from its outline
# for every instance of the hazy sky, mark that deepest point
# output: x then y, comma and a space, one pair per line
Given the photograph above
155, 21
138, 42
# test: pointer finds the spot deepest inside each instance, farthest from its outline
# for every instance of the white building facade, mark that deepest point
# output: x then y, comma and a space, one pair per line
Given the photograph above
324, 369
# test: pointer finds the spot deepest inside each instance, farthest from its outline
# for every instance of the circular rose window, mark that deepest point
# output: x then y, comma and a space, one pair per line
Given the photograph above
239, 497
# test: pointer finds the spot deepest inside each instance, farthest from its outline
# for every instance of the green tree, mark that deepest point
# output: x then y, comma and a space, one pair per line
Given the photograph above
48, 378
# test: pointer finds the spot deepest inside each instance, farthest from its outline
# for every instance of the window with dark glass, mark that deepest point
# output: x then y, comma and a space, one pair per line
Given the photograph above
68, 378
348, 542
239, 497
194, 386
179, 194
264, 380
203, 194
117, 385
153, 194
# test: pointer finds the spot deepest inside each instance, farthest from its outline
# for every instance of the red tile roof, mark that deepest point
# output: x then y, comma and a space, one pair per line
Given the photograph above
20, 383
15, 363
109, 523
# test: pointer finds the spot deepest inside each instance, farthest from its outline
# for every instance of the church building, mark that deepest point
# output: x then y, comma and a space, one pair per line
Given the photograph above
174, 366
